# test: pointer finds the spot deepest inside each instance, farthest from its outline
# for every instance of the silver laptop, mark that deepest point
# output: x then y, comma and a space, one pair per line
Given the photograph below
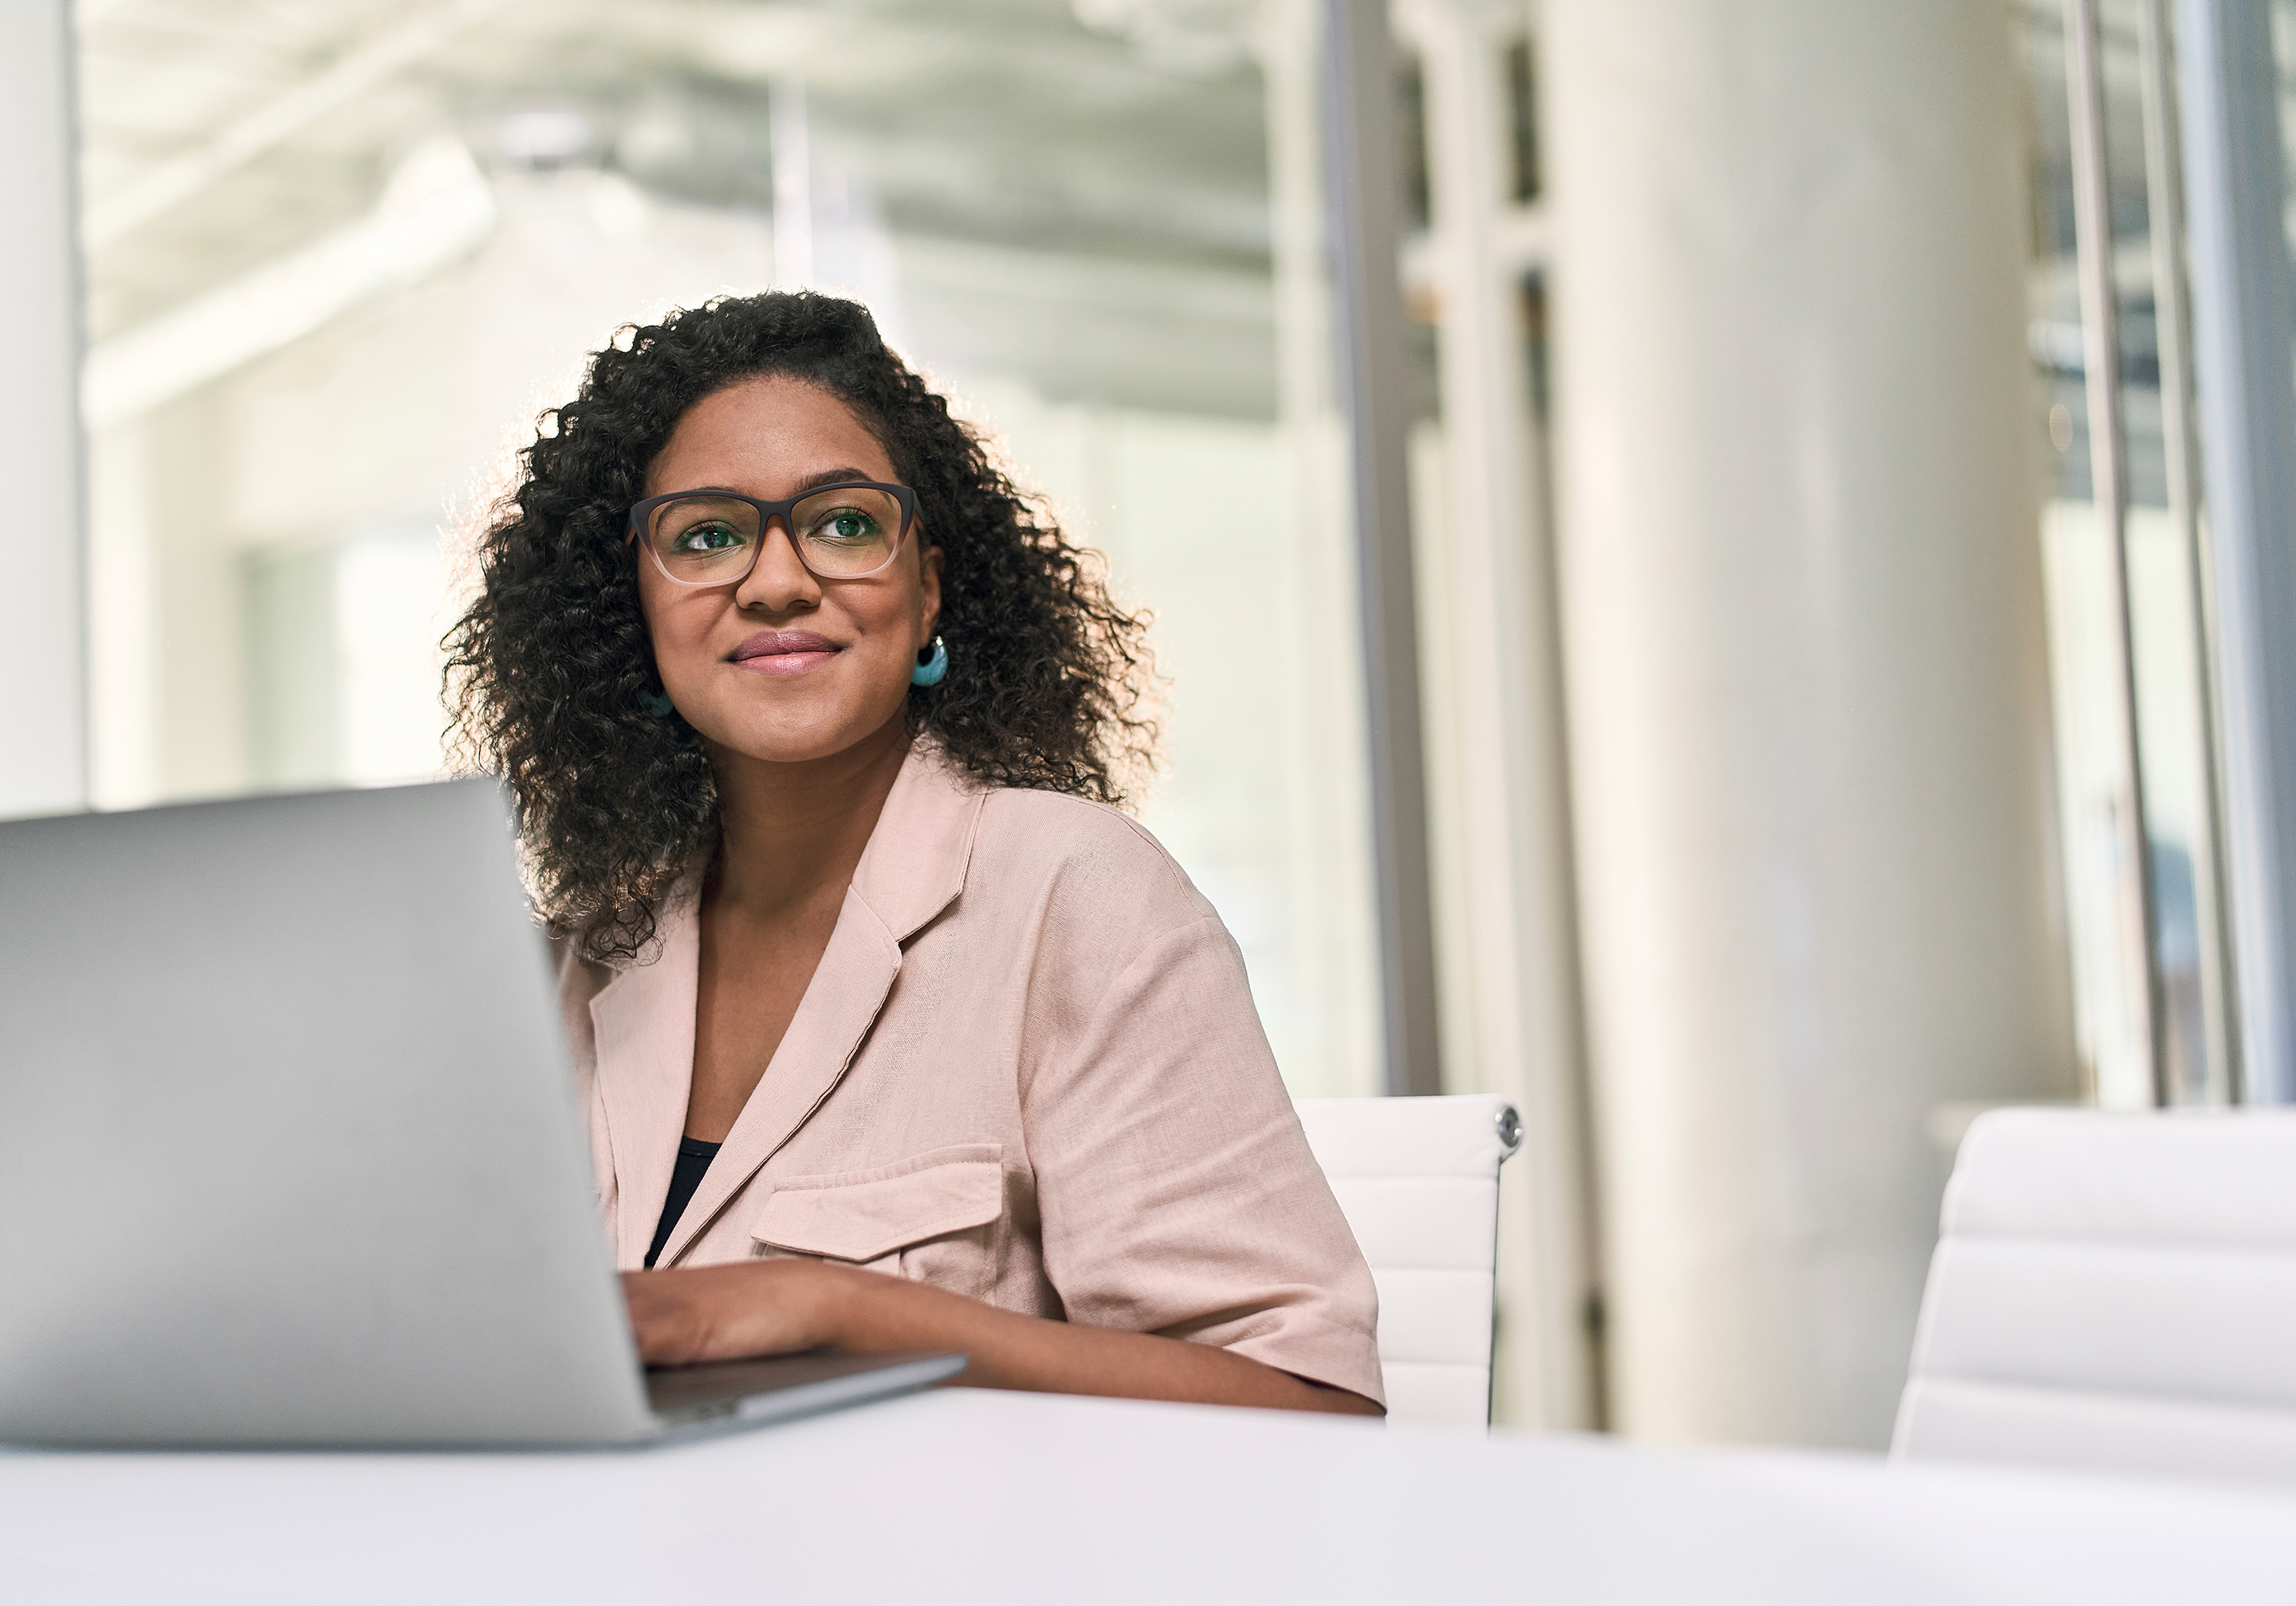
288, 1153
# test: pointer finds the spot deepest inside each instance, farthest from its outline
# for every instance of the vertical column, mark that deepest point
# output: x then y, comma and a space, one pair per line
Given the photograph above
1803, 618
43, 604
2172, 326
2109, 491
2243, 331
1365, 198
1328, 822
1513, 811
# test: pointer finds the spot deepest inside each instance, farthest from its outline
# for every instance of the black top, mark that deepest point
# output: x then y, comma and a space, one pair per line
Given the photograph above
694, 1158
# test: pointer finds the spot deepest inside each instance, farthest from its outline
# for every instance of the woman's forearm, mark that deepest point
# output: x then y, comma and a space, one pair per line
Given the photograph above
773, 1307
1013, 1351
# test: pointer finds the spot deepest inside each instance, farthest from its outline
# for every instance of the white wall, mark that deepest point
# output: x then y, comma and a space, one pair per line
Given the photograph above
1806, 674
42, 609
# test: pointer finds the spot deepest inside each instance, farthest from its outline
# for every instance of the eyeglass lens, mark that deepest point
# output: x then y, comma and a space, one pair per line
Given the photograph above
843, 531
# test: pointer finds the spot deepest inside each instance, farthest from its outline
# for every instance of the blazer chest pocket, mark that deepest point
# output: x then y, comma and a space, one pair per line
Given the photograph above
934, 1218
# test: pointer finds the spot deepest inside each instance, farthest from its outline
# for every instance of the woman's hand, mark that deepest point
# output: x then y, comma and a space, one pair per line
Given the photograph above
730, 1313
754, 1307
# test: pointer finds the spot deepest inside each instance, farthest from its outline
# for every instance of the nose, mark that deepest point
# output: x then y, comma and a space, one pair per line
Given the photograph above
778, 583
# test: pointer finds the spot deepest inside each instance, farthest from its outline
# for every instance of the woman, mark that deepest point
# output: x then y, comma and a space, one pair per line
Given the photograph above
814, 732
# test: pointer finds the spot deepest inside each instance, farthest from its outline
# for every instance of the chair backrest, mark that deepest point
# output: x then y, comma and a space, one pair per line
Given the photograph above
1418, 1179
2115, 1292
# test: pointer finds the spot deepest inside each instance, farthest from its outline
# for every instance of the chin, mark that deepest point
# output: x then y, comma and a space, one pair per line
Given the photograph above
787, 742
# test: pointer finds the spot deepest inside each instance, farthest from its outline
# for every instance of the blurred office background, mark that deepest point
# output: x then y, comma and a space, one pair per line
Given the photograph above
1805, 764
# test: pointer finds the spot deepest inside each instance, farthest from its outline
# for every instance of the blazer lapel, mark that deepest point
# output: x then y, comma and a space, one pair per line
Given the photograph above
912, 869
915, 862
643, 1019
840, 1005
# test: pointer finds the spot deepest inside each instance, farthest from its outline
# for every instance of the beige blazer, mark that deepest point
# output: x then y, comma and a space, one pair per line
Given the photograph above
1028, 1069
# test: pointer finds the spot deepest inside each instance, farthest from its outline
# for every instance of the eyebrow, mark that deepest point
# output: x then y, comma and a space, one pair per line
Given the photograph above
810, 482
835, 477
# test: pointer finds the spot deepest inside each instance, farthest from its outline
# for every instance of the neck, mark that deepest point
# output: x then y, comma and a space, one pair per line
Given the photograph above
793, 829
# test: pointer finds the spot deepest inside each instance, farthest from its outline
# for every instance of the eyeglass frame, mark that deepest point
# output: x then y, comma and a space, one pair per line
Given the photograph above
641, 515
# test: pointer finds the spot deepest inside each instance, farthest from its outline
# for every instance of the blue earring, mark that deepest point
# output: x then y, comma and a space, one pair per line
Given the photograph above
656, 704
930, 671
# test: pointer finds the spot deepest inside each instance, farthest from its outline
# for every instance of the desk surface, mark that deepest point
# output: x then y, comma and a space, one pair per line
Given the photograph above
962, 1496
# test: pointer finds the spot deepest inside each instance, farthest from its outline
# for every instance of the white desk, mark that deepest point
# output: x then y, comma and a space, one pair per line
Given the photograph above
964, 1496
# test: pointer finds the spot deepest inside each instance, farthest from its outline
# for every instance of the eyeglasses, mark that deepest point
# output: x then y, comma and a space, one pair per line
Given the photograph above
841, 532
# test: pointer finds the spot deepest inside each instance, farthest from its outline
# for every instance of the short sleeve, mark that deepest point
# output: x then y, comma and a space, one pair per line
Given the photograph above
1176, 1190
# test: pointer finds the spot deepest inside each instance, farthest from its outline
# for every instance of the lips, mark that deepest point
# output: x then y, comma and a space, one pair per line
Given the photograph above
784, 652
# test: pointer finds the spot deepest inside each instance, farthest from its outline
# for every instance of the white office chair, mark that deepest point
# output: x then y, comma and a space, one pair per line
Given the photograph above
1418, 1179
2114, 1293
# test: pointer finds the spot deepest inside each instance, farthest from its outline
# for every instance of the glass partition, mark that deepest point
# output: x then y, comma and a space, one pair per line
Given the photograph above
2189, 1059
340, 254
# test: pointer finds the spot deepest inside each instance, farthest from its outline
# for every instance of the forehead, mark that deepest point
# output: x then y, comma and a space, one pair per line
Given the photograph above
765, 437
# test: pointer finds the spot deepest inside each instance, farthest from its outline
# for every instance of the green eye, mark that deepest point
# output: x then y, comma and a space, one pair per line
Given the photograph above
706, 537
845, 526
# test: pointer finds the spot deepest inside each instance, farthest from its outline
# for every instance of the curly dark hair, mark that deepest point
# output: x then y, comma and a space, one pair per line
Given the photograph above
550, 668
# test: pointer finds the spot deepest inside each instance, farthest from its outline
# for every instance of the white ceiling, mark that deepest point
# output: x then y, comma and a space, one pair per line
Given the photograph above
1129, 183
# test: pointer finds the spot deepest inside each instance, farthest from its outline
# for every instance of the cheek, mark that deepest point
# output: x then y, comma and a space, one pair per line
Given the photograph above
674, 623
892, 614
883, 616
